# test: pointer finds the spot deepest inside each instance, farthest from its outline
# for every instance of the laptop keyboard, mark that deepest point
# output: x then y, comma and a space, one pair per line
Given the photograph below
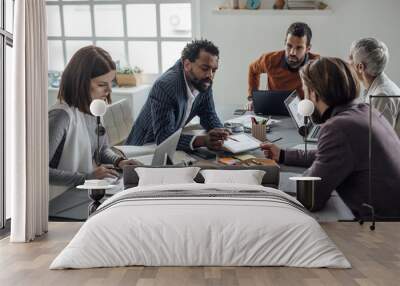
315, 132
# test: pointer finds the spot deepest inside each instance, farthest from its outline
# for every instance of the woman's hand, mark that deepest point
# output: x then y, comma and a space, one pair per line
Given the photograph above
271, 151
127, 162
102, 172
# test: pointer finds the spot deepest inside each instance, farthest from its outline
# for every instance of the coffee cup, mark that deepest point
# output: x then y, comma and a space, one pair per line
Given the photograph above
305, 190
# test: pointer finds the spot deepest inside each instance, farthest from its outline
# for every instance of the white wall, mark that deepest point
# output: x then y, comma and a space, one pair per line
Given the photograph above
243, 38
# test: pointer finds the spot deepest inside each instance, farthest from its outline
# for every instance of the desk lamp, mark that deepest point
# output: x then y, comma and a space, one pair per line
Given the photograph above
305, 108
98, 108
305, 186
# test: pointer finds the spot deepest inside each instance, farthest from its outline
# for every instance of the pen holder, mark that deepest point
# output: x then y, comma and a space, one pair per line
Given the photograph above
259, 131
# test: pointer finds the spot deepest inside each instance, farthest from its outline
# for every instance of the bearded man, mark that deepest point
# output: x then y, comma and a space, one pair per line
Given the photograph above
181, 93
282, 67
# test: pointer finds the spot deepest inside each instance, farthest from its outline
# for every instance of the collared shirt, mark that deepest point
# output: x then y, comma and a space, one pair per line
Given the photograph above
280, 75
191, 96
388, 107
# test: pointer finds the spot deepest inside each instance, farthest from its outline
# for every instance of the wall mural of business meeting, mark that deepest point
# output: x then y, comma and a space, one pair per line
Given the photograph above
330, 134
172, 145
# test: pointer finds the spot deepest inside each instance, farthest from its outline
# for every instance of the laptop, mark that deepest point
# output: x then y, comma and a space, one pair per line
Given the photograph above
291, 104
164, 152
270, 102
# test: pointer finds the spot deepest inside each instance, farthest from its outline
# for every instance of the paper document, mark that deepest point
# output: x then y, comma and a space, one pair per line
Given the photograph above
134, 151
243, 143
144, 159
182, 157
245, 120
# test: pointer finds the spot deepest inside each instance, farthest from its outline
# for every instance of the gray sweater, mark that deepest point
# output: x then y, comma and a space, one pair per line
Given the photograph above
58, 128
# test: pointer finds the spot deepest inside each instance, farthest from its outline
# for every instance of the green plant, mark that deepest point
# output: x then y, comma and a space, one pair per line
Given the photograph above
125, 70
137, 70
129, 70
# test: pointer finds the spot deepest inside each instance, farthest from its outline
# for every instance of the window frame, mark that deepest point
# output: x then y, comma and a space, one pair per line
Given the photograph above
125, 38
6, 39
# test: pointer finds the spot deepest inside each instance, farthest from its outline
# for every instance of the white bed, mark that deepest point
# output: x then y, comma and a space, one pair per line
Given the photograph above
224, 225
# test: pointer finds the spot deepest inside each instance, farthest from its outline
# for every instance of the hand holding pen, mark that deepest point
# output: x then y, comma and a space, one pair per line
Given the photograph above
271, 151
215, 138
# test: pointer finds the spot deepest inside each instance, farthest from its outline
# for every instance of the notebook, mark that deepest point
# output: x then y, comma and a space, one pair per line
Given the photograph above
244, 143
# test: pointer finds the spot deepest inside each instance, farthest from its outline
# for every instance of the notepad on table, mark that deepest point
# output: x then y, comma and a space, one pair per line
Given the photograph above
244, 157
228, 161
243, 143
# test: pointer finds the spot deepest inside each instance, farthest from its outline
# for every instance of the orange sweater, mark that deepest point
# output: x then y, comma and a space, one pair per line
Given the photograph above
279, 76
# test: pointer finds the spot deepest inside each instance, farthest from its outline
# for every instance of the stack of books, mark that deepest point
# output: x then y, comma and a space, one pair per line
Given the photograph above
303, 4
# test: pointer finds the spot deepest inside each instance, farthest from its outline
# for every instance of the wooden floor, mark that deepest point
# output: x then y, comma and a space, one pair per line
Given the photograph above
375, 257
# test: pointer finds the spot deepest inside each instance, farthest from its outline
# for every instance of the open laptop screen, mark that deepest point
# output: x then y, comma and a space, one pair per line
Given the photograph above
291, 104
270, 102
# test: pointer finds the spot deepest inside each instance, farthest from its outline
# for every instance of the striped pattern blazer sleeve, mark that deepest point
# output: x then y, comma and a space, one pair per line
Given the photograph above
163, 120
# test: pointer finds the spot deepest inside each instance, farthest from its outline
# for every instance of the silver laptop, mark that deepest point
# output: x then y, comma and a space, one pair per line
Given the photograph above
164, 152
291, 104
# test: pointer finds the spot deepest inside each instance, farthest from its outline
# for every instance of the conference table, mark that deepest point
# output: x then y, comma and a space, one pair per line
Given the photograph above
72, 205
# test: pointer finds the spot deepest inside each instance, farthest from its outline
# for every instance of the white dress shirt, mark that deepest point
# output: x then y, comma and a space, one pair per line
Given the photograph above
191, 96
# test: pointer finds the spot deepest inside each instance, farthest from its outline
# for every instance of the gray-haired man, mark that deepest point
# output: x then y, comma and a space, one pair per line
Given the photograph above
369, 57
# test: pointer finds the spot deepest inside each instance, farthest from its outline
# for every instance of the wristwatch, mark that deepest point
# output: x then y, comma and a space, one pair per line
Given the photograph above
116, 162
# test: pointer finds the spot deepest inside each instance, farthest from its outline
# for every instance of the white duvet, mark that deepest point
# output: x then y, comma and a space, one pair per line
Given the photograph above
183, 231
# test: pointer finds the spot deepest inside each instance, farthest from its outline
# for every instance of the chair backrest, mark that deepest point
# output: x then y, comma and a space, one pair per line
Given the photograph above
118, 121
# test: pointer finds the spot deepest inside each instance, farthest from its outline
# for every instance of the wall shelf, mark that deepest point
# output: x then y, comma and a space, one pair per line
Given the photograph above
272, 12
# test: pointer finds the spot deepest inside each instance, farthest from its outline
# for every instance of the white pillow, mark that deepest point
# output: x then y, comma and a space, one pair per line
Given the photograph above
165, 176
248, 177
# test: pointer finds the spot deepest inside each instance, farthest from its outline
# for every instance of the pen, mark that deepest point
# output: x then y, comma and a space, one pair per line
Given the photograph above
234, 139
275, 140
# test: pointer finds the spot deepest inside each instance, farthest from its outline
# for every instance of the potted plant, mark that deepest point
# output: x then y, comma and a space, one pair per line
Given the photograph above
126, 77
137, 71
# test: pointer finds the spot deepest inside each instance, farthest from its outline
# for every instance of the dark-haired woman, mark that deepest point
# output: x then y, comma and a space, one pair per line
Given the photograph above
72, 128
342, 159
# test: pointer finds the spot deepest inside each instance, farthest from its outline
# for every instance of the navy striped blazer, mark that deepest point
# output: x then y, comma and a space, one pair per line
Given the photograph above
164, 110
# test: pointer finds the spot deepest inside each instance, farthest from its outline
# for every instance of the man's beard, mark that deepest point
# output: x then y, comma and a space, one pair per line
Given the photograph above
317, 118
294, 64
200, 84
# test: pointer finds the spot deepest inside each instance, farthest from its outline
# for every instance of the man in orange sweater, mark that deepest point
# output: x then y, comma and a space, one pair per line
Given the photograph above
282, 67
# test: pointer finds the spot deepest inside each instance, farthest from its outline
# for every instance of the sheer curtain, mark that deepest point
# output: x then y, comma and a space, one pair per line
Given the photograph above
27, 124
